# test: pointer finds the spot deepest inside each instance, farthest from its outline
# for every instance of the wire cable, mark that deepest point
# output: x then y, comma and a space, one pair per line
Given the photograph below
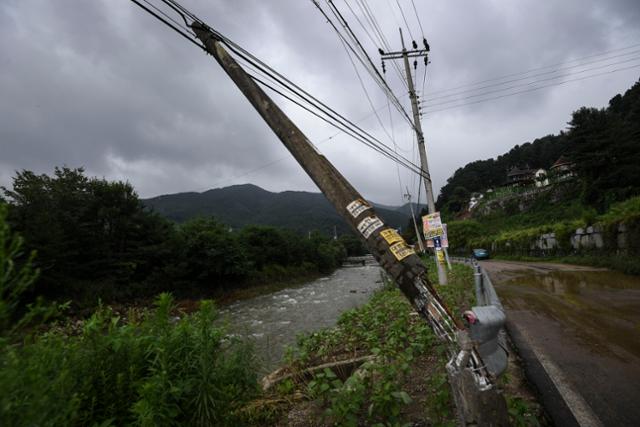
331, 116
531, 89
536, 69
428, 104
404, 18
530, 77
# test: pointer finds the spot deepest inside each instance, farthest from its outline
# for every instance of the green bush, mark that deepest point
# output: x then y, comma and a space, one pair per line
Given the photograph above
152, 369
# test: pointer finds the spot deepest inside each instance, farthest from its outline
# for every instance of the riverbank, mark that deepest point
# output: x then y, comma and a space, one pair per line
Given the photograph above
380, 364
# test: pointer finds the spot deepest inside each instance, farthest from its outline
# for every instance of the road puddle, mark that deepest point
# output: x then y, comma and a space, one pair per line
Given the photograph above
600, 308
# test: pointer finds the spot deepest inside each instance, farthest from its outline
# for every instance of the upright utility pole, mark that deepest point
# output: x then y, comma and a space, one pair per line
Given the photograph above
417, 125
415, 223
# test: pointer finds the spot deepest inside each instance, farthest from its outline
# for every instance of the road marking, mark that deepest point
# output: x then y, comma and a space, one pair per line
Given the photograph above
579, 407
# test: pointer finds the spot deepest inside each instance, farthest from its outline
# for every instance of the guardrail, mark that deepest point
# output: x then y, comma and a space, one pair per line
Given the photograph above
486, 320
480, 404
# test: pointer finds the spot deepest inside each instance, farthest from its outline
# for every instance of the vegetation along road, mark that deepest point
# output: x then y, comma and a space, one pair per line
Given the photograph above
580, 324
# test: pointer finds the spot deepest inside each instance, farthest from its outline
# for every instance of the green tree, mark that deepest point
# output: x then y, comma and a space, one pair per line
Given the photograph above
84, 230
211, 255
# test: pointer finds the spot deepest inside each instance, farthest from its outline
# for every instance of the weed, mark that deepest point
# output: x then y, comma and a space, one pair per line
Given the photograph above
520, 413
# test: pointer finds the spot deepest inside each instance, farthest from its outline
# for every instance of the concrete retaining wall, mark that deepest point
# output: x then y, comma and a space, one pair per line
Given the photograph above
583, 240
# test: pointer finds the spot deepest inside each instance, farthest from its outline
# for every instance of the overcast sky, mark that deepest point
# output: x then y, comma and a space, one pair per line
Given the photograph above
102, 85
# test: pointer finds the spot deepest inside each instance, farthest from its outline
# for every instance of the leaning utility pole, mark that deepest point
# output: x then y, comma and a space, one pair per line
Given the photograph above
479, 402
386, 245
417, 125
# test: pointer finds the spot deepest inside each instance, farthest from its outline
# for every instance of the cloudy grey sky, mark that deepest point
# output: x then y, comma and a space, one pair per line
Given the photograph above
101, 84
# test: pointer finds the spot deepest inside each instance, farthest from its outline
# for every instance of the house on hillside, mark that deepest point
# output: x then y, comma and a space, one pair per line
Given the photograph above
519, 177
541, 179
563, 168
474, 200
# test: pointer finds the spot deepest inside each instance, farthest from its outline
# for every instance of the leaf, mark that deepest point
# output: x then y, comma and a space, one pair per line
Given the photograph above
403, 396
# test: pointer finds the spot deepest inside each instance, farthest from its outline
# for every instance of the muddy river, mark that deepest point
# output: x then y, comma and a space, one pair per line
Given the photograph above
272, 321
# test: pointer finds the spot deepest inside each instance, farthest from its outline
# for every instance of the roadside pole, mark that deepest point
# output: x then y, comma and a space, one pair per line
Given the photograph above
417, 125
387, 246
479, 401
415, 223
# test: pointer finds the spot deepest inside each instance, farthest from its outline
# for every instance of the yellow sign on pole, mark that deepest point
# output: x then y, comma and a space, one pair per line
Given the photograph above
391, 236
400, 250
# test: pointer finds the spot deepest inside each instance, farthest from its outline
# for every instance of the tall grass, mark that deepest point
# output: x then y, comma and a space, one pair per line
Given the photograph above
156, 370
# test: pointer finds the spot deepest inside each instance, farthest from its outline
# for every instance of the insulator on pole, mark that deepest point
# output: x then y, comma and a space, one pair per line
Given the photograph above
426, 45
415, 64
380, 51
415, 45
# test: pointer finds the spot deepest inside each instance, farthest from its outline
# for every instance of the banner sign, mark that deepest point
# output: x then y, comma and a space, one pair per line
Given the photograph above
432, 225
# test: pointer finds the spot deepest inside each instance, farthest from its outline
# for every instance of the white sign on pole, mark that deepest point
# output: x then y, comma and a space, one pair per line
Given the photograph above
432, 225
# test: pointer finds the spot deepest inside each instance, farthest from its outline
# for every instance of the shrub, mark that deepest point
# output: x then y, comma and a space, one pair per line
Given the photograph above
154, 369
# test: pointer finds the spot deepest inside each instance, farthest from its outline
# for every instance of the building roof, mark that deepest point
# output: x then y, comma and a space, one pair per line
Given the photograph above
562, 161
516, 172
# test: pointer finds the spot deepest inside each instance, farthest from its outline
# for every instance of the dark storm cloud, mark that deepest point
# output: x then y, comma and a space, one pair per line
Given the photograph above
101, 84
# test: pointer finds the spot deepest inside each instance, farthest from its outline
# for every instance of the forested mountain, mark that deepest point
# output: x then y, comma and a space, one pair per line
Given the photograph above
240, 205
603, 143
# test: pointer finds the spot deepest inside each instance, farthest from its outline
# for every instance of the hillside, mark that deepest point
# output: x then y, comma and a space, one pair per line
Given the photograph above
604, 145
240, 205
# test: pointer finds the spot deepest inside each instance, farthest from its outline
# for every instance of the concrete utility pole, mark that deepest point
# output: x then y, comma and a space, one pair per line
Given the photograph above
386, 245
475, 393
415, 223
417, 125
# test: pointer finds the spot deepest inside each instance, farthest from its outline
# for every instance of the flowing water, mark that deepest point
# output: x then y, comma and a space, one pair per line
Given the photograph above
272, 321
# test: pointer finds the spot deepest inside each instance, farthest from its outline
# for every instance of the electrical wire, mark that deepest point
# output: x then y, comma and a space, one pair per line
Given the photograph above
404, 18
428, 104
419, 23
427, 112
535, 69
377, 30
332, 117
558, 70
362, 55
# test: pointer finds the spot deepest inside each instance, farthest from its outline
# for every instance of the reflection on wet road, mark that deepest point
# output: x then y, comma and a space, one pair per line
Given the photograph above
587, 322
601, 307
273, 321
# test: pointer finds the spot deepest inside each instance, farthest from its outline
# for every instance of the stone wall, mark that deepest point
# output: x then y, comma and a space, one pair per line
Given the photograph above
583, 240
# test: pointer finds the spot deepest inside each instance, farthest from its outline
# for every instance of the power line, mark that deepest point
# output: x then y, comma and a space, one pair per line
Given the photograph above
377, 30
362, 56
330, 115
428, 104
557, 70
421, 31
533, 89
404, 18
535, 69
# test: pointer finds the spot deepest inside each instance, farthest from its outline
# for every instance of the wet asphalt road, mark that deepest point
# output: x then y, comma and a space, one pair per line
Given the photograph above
583, 326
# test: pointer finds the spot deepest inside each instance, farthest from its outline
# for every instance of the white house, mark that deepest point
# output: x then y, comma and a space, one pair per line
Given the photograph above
541, 179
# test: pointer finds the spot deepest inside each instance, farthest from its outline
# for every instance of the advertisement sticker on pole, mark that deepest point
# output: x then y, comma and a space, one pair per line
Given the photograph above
432, 225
